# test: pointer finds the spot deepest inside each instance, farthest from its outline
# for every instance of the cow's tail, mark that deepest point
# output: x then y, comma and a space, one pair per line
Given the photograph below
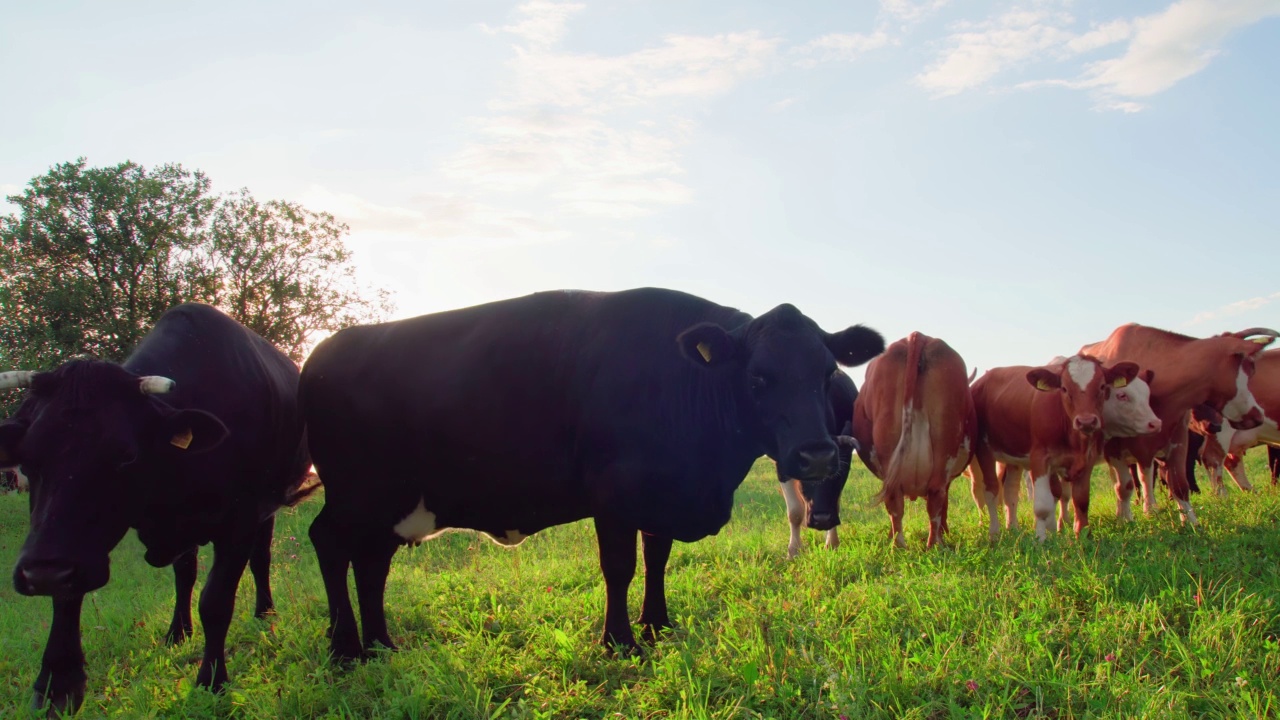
308, 482
911, 458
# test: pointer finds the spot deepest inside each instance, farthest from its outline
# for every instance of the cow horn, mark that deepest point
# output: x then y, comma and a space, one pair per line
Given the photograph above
16, 379
1258, 331
155, 384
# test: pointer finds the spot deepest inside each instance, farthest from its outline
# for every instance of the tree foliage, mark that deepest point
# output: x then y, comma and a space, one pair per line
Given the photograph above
94, 256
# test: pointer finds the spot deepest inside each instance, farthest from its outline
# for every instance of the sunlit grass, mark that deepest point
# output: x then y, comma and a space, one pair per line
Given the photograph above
1140, 620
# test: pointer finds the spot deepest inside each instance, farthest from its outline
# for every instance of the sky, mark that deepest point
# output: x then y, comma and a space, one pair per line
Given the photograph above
1017, 178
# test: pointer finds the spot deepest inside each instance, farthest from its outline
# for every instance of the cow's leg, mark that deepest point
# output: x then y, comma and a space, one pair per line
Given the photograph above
893, 503
1064, 504
617, 542
1273, 461
1176, 464
1123, 481
184, 581
653, 611
59, 688
260, 566
935, 503
1148, 473
833, 539
1079, 490
1010, 476
1234, 464
218, 599
983, 470
371, 565
1044, 499
795, 515
334, 558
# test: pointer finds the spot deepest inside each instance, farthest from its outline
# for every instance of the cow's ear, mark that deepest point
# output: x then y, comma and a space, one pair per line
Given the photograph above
11, 434
707, 344
1043, 379
192, 431
1149, 376
1121, 374
855, 345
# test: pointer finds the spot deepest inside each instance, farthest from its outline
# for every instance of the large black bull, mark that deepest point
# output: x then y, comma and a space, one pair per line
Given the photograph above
195, 438
642, 409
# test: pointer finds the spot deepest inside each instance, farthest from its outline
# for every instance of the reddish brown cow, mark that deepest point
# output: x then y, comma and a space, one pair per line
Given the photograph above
1048, 420
915, 411
1189, 372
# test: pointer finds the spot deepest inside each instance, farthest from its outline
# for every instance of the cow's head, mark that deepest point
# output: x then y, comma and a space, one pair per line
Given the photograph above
1230, 373
1082, 383
83, 437
783, 365
1126, 407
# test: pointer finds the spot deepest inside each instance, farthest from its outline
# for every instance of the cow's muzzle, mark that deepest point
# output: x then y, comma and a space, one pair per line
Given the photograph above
44, 578
823, 521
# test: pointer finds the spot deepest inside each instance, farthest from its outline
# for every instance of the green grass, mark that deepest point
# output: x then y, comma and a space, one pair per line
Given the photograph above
1148, 619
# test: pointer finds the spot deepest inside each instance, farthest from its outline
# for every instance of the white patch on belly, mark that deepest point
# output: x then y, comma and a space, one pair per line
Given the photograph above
957, 464
511, 539
1081, 371
418, 525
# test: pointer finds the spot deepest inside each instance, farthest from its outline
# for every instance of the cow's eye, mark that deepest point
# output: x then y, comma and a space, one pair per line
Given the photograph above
1122, 396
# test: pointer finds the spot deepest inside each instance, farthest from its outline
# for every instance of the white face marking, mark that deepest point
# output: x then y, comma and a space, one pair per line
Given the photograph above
1081, 371
1127, 411
1243, 402
418, 525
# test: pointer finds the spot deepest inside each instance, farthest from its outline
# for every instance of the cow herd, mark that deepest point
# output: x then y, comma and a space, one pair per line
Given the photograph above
642, 410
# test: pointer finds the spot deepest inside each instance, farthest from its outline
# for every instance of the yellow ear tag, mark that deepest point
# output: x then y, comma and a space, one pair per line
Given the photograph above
1119, 382
1042, 385
182, 440
705, 350
1263, 340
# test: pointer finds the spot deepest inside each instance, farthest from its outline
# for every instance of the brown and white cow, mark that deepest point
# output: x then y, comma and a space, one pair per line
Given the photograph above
1126, 412
1231, 443
1048, 420
915, 426
1189, 371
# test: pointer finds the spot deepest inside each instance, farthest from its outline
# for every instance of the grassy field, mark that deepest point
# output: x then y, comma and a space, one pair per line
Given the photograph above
1140, 620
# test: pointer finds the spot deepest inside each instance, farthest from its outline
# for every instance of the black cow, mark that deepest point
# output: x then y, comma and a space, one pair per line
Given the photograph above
642, 409
195, 438
817, 504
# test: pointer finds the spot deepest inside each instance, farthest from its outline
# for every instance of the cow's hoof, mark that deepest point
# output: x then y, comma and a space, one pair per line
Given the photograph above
177, 635
212, 676
373, 645
620, 647
58, 704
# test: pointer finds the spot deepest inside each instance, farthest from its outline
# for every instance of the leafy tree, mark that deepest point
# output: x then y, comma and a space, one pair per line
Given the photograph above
285, 272
95, 255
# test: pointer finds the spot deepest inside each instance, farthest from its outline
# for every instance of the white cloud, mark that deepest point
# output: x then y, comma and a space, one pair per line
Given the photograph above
909, 11
599, 134
979, 51
1173, 45
782, 104
1236, 308
839, 47
1162, 49
542, 23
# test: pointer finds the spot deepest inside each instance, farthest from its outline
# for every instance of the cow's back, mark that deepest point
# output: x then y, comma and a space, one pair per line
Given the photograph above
513, 414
